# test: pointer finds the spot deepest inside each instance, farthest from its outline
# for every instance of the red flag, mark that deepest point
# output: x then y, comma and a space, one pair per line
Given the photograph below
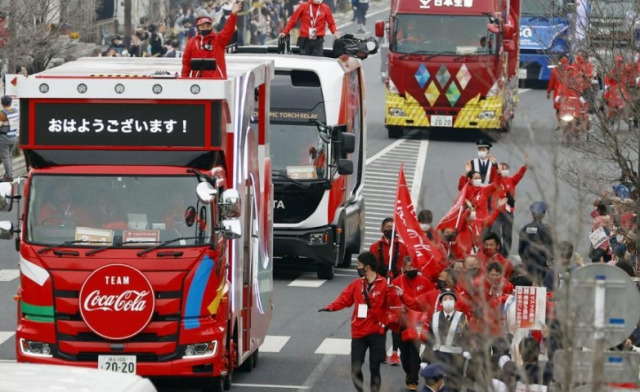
424, 254
451, 220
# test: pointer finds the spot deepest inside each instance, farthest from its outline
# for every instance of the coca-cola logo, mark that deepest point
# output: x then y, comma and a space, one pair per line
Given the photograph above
117, 301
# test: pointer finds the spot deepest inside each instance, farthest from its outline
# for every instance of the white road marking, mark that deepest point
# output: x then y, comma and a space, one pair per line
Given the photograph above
307, 280
7, 361
7, 275
6, 335
273, 344
419, 173
276, 386
342, 26
334, 346
523, 90
384, 151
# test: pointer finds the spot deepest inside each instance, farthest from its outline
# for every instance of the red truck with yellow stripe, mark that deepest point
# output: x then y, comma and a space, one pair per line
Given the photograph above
451, 63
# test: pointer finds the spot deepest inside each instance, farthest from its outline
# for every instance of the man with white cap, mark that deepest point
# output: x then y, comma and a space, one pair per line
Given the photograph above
207, 44
449, 341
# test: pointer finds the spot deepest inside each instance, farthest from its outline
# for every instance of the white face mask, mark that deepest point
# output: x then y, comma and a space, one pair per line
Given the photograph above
317, 1
425, 226
472, 215
505, 173
482, 154
476, 182
448, 305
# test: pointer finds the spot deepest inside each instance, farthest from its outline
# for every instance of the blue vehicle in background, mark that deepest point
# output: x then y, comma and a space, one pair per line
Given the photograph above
544, 26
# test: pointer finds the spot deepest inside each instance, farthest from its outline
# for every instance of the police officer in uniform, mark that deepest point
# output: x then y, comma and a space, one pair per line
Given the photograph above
485, 163
433, 378
536, 243
449, 340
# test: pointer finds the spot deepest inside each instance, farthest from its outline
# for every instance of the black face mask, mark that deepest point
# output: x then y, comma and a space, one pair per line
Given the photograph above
361, 272
449, 237
387, 234
205, 32
441, 284
411, 274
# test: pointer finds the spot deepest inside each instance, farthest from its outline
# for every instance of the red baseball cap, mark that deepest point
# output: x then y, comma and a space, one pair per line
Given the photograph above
203, 19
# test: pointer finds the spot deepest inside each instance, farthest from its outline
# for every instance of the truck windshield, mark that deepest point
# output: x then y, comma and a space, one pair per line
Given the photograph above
111, 210
543, 8
618, 9
442, 34
298, 152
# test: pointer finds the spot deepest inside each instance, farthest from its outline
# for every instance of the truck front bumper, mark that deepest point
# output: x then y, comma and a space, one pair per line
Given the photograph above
317, 244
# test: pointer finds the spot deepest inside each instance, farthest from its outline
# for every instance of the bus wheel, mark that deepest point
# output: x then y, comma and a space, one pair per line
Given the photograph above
395, 132
326, 271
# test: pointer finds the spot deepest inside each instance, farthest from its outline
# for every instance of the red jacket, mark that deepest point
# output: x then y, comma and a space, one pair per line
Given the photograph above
410, 319
479, 196
218, 42
508, 187
485, 260
304, 11
379, 315
399, 249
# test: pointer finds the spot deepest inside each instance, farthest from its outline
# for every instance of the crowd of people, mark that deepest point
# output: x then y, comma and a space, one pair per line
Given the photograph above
462, 306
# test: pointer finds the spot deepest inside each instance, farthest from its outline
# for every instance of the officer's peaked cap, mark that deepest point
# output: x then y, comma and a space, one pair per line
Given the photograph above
433, 371
447, 292
483, 143
538, 207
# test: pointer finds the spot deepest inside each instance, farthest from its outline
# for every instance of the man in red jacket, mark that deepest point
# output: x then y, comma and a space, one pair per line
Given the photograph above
373, 302
389, 265
490, 253
504, 224
314, 18
207, 44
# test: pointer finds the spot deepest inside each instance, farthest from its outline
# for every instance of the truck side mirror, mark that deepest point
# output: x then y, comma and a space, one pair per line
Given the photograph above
509, 46
231, 206
379, 29
231, 229
205, 192
345, 166
347, 143
6, 196
6, 230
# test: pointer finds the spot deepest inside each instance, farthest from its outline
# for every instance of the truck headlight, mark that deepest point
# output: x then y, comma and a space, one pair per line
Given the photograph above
567, 118
397, 112
392, 87
495, 89
199, 350
318, 238
487, 115
33, 348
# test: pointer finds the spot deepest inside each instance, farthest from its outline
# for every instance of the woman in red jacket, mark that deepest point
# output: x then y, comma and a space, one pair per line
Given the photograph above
314, 18
207, 44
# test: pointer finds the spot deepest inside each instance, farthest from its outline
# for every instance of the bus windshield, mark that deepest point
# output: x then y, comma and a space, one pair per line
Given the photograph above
298, 152
112, 210
442, 34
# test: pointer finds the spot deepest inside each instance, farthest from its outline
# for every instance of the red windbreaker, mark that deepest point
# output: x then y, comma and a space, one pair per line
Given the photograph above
410, 319
382, 247
322, 15
485, 260
479, 196
508, 186
381, 298
195, 49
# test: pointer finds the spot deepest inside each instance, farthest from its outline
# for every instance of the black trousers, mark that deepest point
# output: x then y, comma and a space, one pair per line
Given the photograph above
410, 358
311, 47
395, 342
361, 14
503, 226
375, 343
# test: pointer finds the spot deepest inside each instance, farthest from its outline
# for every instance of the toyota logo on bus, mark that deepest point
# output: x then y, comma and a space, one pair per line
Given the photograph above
117, 301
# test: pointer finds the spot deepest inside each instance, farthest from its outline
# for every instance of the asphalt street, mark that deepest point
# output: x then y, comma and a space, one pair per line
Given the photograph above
309, 351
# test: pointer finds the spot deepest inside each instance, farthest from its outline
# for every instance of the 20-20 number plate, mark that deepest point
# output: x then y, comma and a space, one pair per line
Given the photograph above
117, 363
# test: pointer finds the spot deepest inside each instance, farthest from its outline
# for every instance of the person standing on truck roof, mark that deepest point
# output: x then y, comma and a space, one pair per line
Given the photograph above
9, 120
314, 17
208, 44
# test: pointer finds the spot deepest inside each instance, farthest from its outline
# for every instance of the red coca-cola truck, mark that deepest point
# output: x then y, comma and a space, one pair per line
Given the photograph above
144, 237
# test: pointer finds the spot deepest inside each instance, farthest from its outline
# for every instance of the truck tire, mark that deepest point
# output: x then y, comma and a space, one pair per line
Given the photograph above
227, 381
346, 260
395, 132
213, 384
326, 271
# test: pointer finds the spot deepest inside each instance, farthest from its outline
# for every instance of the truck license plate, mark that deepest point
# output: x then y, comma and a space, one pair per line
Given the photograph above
117, 363
522, 73
441, 121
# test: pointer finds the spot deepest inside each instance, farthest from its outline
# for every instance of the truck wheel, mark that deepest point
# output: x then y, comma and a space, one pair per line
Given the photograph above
213, 384
227, 381
250, 363
346, 261
255, 356
395, 132
326, 271
506, 127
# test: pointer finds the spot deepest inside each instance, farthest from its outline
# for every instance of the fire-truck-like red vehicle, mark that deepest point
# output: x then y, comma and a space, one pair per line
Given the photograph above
145, 240
451, 63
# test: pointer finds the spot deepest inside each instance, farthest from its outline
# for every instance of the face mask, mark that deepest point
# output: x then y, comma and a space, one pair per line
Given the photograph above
477, 182
205, 32
505, 173
441, 284
411, 274
472, 215
387, 234
361, 272
482, 154
448, 305
424, 226
449, 237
